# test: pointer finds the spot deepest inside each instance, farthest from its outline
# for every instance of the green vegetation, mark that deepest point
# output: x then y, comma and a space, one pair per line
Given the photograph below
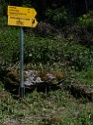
44, 50
55, 108
59, 16
65, 49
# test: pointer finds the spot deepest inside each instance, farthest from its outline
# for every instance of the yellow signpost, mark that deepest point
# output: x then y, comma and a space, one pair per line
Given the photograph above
21, 11
22, 16
22, 21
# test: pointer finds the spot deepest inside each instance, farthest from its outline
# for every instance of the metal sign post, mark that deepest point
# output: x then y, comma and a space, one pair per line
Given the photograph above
22, 88
23, 17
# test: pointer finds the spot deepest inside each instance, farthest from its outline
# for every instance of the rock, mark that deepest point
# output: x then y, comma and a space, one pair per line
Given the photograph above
36, 78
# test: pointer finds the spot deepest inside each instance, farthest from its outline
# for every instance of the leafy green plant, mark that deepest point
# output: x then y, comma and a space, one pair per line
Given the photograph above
9, 44
85, 76
86, 21
3, 8
77, 55
58, 16
43, 50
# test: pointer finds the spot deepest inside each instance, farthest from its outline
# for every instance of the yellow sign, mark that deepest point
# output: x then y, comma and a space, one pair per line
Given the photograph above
21, 16
22, 21
21, 11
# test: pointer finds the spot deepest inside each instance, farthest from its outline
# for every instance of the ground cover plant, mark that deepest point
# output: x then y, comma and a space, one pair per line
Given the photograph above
43, 50
37, 108
67, 50
56, 108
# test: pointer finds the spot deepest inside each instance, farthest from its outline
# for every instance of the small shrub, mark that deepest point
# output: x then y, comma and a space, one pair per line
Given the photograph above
86, 21
59, 16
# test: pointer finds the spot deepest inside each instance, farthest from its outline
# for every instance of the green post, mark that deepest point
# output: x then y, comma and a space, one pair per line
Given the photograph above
21, 88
